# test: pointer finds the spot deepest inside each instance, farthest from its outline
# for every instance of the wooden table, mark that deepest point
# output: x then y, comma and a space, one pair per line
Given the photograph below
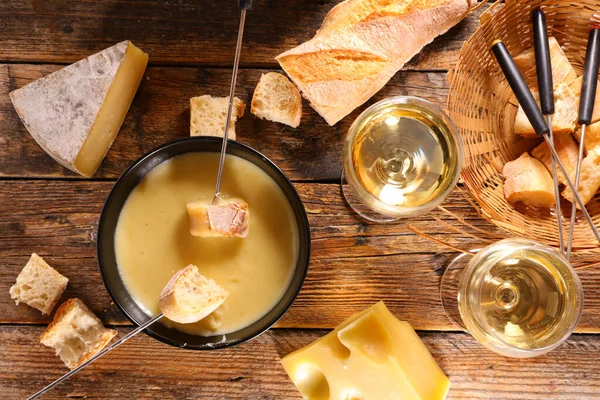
46, 209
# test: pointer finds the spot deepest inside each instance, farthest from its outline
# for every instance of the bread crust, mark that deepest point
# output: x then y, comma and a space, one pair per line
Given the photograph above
361, 45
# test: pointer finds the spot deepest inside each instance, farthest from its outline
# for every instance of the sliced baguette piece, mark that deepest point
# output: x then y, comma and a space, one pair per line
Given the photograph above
528, 181
39, 285
589, 179
277, 99
361, 45
575, 87
567, 151
563, 120
592, 136
190, 297
208, 114
228, 218
76, 334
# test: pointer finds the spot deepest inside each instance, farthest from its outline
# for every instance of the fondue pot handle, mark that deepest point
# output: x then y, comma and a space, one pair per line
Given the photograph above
245, 4
520, 88
542, 62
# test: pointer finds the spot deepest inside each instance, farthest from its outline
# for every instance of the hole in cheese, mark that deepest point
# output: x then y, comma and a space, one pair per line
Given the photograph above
311, 382
369, 336
113, 111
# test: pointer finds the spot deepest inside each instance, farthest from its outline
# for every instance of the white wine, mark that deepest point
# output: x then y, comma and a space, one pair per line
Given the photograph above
402, 153
520, 298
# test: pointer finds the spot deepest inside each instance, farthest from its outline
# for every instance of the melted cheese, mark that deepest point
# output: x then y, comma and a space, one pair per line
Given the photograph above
371, 355
153, 240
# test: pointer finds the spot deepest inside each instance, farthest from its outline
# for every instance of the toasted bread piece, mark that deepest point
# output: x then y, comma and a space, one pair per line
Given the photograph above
277, 99
528, 181
592, 136
575, 87
563, 120
76, 333
567, 151
562, 70
189, 296
39, 285
589, 178
208, 114
228, 218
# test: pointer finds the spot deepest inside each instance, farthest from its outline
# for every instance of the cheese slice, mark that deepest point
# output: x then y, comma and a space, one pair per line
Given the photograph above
75, 113
371, 355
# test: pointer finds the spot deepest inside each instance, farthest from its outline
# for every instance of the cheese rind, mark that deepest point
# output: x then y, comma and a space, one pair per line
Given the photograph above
371, 355
74, 114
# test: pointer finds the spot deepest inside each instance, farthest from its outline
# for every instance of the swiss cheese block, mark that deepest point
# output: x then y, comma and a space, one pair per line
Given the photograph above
75, 113
371, 355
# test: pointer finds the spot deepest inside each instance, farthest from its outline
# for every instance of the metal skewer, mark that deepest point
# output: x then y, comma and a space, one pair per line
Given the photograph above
546, 89
535, 117
586, 109
244, 6
98, 355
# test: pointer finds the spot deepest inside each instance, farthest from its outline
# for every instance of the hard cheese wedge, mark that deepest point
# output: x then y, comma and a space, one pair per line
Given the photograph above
75, 113
371, 355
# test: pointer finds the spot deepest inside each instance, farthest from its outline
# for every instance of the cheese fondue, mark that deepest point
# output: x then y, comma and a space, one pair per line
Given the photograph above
153, 240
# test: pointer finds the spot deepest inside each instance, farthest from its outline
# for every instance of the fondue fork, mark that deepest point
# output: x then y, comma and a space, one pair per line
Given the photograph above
586, 109
535, 117
543, 66
244, 6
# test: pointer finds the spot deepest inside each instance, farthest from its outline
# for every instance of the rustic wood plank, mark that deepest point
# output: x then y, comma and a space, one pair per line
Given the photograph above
181, 33
160, 113
253, 371
354, 264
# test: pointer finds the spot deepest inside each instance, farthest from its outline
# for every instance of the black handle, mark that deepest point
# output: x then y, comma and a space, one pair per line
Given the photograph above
542, 61
520, 88
590, 78
245, 4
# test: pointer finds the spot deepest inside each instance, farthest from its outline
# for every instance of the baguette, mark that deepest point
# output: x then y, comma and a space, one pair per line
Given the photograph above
528, 182
208, 114
277, 99
361, 45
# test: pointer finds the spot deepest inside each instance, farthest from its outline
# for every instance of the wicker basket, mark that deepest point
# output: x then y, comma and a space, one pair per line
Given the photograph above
483, 107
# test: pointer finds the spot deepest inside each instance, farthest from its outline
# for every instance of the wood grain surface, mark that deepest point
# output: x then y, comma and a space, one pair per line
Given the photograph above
253, 371
161, 112
188, 32
353, 264
45, 208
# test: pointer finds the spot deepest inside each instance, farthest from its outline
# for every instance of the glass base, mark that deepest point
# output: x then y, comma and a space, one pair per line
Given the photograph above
449, 288
359, 208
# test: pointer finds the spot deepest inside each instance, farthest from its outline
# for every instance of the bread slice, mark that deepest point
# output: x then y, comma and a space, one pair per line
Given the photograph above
189, 296
76, 333
563, 120
592, 136
567, 151
277, 99
208, 114
38, 285
589, 178
528, 181
228, 218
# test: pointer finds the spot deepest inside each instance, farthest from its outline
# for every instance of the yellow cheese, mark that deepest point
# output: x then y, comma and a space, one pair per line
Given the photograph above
76, 112
371, 355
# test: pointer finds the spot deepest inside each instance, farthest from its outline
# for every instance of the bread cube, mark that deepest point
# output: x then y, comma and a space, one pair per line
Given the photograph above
528, 181
76, 334
208, 114
190, 297
277, 99
228, 218
563, 120
567, 151
589, 178
592, 136
38, 285
575, 87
